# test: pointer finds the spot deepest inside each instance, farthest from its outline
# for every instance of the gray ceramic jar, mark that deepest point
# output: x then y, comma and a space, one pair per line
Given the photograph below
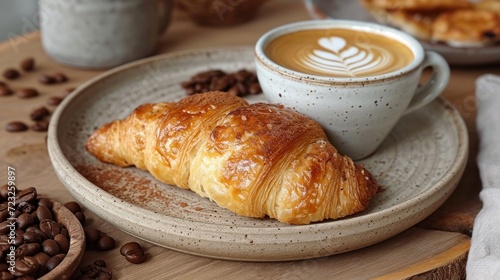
102, 33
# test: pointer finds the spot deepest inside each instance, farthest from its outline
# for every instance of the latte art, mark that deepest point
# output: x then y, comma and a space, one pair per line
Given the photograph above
338, 55
339, 59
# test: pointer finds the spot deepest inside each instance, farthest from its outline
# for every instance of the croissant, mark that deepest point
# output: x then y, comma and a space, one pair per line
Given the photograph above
255, 160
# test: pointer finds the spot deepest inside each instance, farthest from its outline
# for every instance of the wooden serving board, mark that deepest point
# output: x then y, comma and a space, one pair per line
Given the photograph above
435, 249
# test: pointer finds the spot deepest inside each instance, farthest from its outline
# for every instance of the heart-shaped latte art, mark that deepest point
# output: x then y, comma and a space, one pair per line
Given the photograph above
337, 57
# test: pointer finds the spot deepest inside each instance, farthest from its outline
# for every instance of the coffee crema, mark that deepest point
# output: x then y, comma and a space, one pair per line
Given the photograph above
339, 53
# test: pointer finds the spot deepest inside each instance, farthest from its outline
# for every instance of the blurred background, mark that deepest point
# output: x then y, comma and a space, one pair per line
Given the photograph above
17, 17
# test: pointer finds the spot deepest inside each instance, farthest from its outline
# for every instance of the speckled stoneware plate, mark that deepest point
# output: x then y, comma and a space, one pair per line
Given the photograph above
419, 165
341, 9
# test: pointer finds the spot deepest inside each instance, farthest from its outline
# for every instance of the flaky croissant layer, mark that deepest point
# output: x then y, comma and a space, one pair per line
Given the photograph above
255, 160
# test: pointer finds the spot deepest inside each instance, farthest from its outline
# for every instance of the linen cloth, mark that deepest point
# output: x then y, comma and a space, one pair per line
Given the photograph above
484, 255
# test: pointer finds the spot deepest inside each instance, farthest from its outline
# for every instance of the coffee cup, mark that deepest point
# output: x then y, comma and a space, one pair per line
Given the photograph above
99, 34
356, 79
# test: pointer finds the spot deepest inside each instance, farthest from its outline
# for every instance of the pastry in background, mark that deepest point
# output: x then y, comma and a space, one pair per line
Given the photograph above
458, 23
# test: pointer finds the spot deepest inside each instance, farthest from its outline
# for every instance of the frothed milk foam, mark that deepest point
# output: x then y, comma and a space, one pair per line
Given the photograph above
339, 53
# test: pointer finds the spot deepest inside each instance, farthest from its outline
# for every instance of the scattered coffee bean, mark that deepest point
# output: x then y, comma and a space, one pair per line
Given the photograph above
16, 126
100, 263
39, 114
106, 243
73, 206
133, 252
60, 77
27, 93
28, 64
54, 100
46, 79
5, 90
40, 126
11, 74
92, 235
81, 217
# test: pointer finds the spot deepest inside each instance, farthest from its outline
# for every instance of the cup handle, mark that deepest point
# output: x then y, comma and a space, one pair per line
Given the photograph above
165, 8
436, 84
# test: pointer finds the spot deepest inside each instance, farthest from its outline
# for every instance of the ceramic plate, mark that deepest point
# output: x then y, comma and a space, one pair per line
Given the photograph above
418, 166
341, 9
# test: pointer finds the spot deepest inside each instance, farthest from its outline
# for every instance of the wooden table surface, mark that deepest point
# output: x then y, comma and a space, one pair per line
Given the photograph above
435, 249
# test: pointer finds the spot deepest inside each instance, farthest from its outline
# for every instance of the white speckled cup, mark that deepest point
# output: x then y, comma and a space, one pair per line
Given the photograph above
356, 113
102, 33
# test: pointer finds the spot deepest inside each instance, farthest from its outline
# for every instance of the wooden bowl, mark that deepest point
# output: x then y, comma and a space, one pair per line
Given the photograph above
76, 243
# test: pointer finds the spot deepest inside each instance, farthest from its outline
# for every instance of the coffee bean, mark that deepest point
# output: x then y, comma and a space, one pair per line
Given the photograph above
60, 77
37, 232
73, 206
39, 114
6, 226
46, 79
133, 252
26, 207
4, 192
100, 263
50, 228
81, 217
18, 239
31, 237
16, 126
105, 243
128, 247
40, 126
45, 201
11, 74
50, 247
54, 100
5, 90
27, 249
26, 265
42, 258
4, 267
42, 213
28, 64
92, 235
89, 271
27, 195
254, 88
62, 242
27, 93
54, 261
5, 275
104, 273
25, 220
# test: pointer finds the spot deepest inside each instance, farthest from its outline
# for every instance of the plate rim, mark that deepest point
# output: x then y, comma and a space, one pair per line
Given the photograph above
59, 160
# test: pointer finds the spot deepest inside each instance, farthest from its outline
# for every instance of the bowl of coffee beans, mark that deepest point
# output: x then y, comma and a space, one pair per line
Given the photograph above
39, 237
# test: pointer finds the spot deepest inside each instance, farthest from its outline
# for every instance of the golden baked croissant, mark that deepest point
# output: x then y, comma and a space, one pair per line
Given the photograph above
254, 160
